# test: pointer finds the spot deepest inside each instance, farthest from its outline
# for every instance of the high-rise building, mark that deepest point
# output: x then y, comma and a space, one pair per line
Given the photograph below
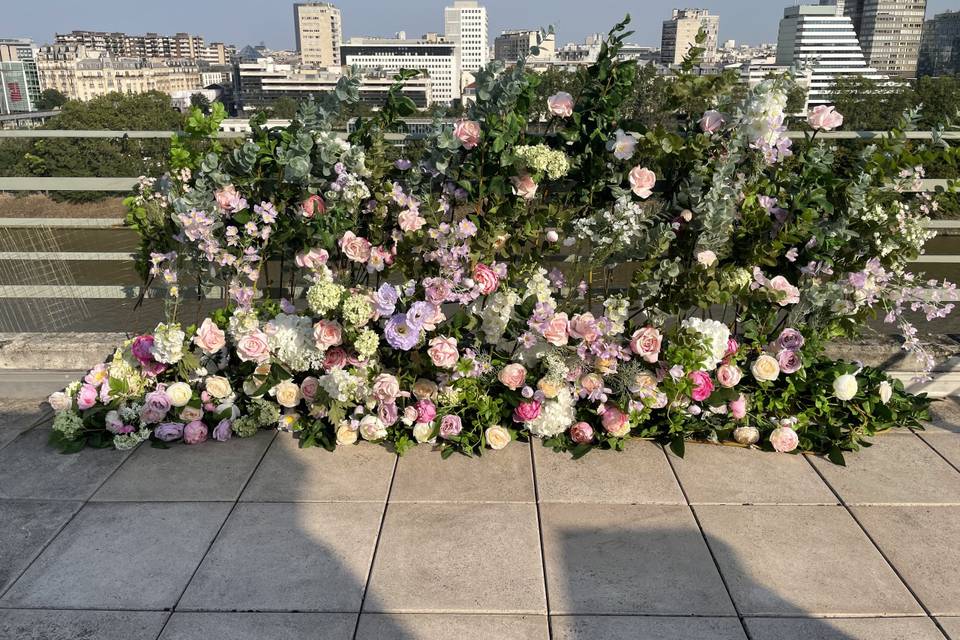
680, 33
319, 33
465, 24
818, 38
889, 32
435, 55
940, 46
19, 78
510, 46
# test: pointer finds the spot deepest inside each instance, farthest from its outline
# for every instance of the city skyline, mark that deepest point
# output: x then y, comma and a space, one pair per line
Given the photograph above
244, 22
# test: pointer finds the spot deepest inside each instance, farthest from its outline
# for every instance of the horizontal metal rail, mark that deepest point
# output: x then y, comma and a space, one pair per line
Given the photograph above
73, 223
67, 184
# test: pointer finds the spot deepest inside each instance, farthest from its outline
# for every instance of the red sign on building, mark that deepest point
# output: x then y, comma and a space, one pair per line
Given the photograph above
15, 94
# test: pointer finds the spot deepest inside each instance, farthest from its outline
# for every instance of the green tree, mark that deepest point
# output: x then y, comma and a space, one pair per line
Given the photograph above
50, 99
200, 101
940, 98
284, 107
871, 105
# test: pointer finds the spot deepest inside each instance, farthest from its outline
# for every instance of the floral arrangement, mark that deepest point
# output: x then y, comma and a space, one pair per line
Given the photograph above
580, 280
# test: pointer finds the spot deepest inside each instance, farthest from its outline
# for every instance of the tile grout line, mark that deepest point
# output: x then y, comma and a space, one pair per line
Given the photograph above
216, 535
883, 555
937, 451
543, 561
703, 535
376, 546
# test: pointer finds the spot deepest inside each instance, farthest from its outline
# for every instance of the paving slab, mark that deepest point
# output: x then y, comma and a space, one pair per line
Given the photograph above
8, 434
23, 412
288, 473
638, 475
898, 469
431, 626
944, 416
843, 629
922, 544
637, 627
457, 558
951, 626
288, 557
26, 526
801, 560
260, 626
629, 559
23, 624
211, 471
946, 444
496, 476
711, 474
31, 468
120, 556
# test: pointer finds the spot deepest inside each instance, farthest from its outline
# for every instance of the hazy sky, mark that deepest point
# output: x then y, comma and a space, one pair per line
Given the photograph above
271, 21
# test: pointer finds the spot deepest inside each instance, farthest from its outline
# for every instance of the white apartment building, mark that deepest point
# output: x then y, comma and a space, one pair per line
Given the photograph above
319, 32
680, 32
823, 39
510, 46
465, 24
432, 54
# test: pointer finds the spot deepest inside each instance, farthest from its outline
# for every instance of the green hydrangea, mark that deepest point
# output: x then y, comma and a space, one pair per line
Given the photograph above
69, 424
324, 297
543, 159
357, 310
245, 427
366, 343
264, 412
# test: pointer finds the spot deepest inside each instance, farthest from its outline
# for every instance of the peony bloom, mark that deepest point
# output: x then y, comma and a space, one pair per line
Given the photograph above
560, 104
179, 393
312, 206
790, 361
210, 338
443, 352
784, 439
729, 375
388, 413
790, 339
765, 368
168, 431
467, 132
581, 433
615, 422
354, 247
556, 330
497, 437
252, 346
486, 278
450, 426
524, 186
195, 432
223, 431
738, 407
426, 411
886, 392
711, 121
87, 397
732, 347
156, 404
527, 411
334, 358
824, 117
513, 376
702, 385
746, 435
646, 342
312, 259
386, 387
642, 181
327, 333
845, 387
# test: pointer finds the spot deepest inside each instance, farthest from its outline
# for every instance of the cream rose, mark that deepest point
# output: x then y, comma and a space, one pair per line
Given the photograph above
346, 435
189, 414
765, 368
497, 437
287, 394
372, 428
729, 375
845, 387
422, 432
218, 387
886, 392
179, 394
424, 389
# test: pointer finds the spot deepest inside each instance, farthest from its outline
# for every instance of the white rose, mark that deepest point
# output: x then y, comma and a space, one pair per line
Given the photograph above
707, 258
287, 394
422, 431
765, 368
372, 428
497, 437
179, 394
218, 387
189, 414
845, 387
346, 435
886, 392
59, 401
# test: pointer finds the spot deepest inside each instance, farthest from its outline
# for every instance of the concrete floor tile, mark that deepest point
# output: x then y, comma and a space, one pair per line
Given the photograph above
633, 560
23, 413
433, 626
944, 416
898, 469
922, 544
801, 560
843, 629
951, 626
638, 475
211, 471
288, 557
31, 468
349, 474
457, 558
711, 474
120, 556
497, 476
637, 627
23, 624
260, 626
26, 526
946, 444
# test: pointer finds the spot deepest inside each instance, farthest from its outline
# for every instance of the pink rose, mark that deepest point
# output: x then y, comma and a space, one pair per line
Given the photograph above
738, 407
410, 221
312, 259
792, 294
312, 206
194, 432
513, 376
711, 121
229, 200
642, 181
450, 427
387, 412
556, 331
581, 433
584, 327
334, 358
560, 104
615, 422
729, 375
355, 248
646, 342
443, 352
327, 333
467, 132
790, 361
784, 439
527, 411
732, 347
309, 388
486, 278
386, 387
210, 338
252, 346
702, 385
426, 411
87, 397
825, 117
524, 186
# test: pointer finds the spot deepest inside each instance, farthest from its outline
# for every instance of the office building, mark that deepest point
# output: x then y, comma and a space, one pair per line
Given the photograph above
465, 24
940, 46
889, 32
19, 78
680, 32
436, 56
319, 32
510, 46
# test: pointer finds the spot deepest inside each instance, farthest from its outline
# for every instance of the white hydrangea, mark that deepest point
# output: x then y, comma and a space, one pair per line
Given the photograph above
168, 343
556, 416
128, 441
496, 314
617, 310
341, 385
242, 323
539, 287
290, 339
715, 335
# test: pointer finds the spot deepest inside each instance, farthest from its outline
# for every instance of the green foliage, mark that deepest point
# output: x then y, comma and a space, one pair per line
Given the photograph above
50, 99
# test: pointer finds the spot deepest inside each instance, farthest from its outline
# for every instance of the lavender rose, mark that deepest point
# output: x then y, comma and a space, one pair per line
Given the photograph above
168, 431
